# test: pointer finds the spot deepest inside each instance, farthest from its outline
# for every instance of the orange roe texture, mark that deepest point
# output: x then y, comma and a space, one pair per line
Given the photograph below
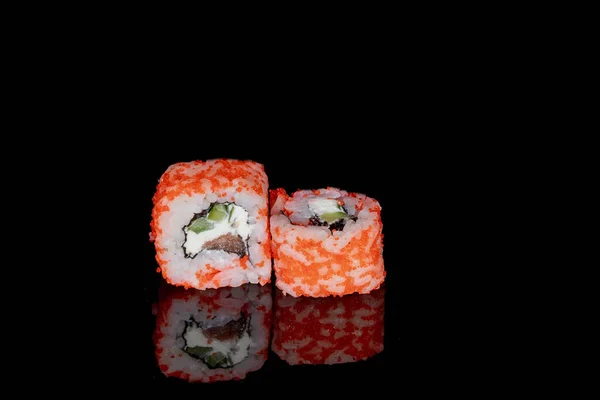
366, 249
310, 318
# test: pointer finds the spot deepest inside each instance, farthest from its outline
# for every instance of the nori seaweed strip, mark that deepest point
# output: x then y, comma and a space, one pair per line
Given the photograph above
195, 217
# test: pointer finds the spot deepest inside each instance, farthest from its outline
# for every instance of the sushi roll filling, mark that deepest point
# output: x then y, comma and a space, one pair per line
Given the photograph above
223, 226
328, 212
218, 346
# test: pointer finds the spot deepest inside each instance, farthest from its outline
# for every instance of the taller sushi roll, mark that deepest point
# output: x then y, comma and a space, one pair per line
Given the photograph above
212, 335
210, 224
326, 242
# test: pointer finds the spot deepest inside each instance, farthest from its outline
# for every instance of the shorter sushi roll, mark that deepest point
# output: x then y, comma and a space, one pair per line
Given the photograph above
332, 330
212, 335
326, 242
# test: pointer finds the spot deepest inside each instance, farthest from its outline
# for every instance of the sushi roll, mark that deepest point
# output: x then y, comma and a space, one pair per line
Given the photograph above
212, 335
330, 330
210, 224
326, 242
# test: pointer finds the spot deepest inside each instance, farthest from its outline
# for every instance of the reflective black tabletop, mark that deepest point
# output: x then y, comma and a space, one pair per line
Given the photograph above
257, 334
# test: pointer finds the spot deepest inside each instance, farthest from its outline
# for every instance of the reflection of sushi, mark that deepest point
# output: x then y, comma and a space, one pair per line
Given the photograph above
331, 330
212, 335
326, 242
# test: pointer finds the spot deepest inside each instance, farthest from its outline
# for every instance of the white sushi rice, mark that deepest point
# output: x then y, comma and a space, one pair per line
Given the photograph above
183, 269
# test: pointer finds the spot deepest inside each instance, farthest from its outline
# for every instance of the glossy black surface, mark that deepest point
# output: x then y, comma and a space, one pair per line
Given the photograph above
364, 175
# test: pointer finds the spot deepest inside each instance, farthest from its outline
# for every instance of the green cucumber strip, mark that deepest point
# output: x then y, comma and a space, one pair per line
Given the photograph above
230, 211
218, 212
199, 351
223, 363
330, 217
200, 225
217, 359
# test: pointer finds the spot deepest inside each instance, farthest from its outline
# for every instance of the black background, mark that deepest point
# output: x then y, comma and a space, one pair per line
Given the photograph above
326, 160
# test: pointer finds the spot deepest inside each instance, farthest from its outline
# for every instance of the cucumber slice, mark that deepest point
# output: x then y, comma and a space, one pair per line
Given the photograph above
200, 225
330, 217
216, 360
230, 211
218, 212
199, 351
